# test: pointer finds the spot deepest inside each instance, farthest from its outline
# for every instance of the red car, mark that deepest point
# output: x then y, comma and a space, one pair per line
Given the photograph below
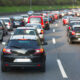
65, 20
55, 16
36, 19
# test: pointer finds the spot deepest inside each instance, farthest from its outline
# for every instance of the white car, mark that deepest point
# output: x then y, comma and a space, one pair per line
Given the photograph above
39, 29
7, 22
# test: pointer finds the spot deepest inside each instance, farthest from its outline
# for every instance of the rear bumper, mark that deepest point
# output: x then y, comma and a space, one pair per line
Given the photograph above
24, 65
75, 39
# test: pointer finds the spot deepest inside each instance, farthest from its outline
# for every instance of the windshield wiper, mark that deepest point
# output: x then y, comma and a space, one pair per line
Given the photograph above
16, 47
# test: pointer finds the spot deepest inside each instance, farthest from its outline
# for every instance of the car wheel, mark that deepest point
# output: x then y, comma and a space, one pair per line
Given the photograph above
70, 41
43, 68
4, 69
1, 39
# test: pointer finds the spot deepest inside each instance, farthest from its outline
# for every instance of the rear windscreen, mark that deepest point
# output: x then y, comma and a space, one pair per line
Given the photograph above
35, 20
24, 32
76, 29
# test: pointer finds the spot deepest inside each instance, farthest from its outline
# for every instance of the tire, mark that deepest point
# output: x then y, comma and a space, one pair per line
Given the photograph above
43, 68
4, 69
1, 39
70, 41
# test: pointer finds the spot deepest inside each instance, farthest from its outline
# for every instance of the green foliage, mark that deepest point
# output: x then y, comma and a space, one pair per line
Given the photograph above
35, 2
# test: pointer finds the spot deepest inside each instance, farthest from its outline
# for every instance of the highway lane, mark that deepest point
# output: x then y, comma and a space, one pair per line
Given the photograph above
62, 58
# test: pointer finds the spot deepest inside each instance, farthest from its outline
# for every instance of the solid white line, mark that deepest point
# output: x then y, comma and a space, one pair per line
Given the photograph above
64, 75
53, 30
54, 41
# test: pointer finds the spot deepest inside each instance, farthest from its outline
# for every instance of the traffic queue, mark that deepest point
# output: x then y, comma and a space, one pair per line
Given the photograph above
25, 48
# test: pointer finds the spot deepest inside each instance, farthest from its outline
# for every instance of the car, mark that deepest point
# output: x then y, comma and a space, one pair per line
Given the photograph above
8, 23
25, 16
74, 34
3, 28
17, 21
72, 23
65, 20
36, 19
23, 53
46, 23
1, 32
38, 28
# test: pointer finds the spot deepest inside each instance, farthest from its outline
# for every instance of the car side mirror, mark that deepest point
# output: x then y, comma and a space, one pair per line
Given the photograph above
4, 43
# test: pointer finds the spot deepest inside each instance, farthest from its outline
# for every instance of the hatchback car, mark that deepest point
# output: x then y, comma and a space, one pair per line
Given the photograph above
18, 21
74, 34
23, 53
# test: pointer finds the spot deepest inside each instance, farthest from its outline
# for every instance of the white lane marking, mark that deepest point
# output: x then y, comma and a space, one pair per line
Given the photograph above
54, 41
64, 75
54, 30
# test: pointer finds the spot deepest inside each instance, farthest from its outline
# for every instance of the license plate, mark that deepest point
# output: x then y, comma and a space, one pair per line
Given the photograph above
78, 38
22, 60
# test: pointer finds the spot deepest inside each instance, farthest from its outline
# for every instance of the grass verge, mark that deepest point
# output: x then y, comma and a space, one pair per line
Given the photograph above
12, 9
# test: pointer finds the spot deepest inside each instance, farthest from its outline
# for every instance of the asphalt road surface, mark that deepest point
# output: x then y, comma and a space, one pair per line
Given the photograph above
63, 59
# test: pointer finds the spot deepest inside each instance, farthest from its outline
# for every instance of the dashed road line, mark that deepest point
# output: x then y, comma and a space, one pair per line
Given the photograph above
54, 41
64, 75
54, 30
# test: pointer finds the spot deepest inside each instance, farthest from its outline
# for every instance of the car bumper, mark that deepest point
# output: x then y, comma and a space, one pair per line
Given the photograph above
74, 39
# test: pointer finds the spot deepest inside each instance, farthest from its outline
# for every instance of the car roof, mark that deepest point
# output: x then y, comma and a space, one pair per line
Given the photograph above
29, 28
5, 18
30, 37
74, 21
35, 16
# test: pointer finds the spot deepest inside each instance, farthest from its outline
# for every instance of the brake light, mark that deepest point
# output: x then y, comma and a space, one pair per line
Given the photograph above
7, 51
69, 27
46, 22
39, 51
73, 33
9, 24
42, 32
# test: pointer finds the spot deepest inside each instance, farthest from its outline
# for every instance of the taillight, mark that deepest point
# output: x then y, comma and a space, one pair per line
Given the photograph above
39, 51
46, 22
42, 32
9, 24
69, 27
73, 33
7, 51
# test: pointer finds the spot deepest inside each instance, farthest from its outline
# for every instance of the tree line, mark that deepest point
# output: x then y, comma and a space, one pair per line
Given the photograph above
37, 2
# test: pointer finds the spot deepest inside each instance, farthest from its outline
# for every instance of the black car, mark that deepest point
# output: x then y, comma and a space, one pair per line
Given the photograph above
46, 23
23, 53
18, 21
74, 34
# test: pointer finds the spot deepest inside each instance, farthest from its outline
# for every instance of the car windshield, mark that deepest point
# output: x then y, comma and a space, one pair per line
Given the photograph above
25, 44
24, 32
35, 20
76, 29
